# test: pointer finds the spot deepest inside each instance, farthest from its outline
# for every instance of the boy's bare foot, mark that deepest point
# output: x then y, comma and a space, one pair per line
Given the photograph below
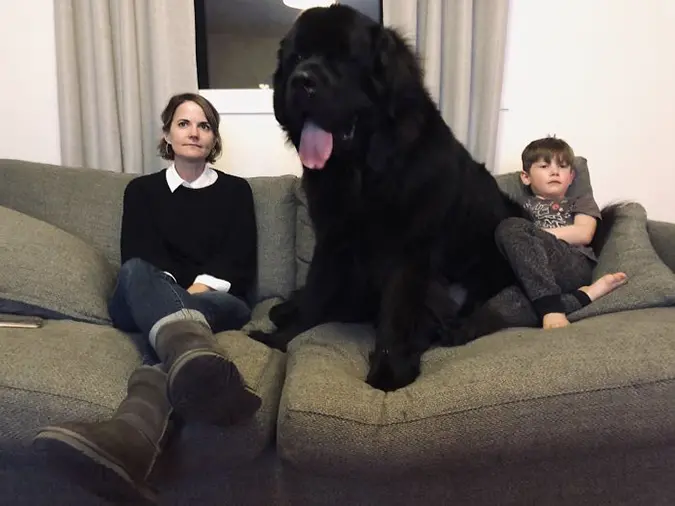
604, 285
555, 321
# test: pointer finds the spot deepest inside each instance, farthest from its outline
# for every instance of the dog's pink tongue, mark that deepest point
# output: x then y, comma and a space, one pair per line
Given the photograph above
316, 145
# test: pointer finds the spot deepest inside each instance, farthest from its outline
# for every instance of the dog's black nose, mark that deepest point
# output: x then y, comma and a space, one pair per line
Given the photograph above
304, 80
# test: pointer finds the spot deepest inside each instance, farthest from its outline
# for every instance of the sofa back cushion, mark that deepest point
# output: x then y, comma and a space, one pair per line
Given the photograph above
85, 202
88, 204
45, 270
275, 211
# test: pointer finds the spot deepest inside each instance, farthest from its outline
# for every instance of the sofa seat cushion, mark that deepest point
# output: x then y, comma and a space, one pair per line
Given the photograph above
62, 371
77, 371
602, 383
44, 267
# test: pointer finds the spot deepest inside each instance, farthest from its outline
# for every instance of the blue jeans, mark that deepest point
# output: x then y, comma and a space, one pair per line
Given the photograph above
144, 295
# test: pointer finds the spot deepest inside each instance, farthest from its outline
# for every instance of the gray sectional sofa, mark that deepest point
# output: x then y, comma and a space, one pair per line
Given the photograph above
578, 416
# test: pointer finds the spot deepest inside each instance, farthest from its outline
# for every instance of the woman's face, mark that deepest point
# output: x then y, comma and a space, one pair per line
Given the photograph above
190, 134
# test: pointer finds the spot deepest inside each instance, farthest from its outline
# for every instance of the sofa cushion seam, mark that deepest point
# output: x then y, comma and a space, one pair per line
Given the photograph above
485, 406
59, 396
263, 372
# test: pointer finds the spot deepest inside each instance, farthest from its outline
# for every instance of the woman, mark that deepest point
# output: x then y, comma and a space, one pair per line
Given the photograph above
188, 247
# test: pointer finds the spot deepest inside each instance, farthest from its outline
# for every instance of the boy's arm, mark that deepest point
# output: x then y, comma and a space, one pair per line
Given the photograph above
580, 233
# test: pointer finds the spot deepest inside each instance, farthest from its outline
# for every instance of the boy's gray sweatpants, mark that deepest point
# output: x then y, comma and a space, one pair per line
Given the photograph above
549, 270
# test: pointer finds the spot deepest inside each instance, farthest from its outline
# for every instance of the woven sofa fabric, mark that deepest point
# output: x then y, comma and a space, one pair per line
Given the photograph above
515, 395
628, 248
275, 218
46, 267
62, 371
85, 202
662, 236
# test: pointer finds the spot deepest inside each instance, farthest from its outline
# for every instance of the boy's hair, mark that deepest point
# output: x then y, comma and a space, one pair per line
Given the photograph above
547, 149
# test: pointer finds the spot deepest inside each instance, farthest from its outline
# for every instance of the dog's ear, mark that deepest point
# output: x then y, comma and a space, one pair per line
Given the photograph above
279, 84
396, 75
397, 83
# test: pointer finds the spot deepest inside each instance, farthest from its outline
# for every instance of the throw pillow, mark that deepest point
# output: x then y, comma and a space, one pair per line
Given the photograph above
45, 268
627, 248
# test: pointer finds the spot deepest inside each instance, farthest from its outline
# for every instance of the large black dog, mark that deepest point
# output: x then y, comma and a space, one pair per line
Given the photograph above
404, 216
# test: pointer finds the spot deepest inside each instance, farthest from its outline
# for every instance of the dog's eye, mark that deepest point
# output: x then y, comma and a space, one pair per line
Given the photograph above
298, 57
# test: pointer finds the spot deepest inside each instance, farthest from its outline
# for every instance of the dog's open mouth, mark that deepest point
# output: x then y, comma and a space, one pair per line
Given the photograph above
316, 144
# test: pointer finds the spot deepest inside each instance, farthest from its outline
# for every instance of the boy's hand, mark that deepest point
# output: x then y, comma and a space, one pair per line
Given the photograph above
579, 234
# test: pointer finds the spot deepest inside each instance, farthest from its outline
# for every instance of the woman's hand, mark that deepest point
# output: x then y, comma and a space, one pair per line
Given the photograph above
198, 288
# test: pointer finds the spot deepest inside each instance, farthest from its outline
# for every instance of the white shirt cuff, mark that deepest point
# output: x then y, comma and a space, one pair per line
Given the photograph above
171, 275
219, 285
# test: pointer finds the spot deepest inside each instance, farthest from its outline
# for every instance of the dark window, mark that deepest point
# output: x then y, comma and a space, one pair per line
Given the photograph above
237, 40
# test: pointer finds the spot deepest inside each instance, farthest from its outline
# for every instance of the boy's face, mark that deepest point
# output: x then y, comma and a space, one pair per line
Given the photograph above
549, 179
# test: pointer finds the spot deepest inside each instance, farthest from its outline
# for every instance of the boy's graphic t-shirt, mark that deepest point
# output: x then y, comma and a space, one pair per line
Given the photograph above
548, 213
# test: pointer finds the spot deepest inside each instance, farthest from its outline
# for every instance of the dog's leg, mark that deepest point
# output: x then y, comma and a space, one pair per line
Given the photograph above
329, 294
404, 330
284, 314
335, 288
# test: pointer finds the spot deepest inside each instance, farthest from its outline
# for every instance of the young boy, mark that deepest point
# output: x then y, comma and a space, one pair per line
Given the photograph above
551, 254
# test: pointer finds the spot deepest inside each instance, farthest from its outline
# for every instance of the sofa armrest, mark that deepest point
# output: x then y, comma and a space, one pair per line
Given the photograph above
662, 235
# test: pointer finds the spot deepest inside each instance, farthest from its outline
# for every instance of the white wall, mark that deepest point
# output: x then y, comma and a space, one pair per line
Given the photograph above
29, 129
601, 75
254, 145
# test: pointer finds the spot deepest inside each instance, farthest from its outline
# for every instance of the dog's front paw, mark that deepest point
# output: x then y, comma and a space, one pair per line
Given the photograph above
390, 372
276, 340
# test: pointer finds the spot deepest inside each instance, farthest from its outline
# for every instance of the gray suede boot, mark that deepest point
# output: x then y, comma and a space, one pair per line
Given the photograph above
204, 385
114, 458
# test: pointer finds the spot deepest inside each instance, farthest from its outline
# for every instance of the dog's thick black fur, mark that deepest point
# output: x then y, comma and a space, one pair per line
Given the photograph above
400, 209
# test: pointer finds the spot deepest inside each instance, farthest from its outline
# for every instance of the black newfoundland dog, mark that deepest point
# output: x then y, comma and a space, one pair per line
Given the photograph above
404, 217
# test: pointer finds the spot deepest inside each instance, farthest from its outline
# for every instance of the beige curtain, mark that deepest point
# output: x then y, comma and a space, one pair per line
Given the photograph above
118, 62
462, 45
